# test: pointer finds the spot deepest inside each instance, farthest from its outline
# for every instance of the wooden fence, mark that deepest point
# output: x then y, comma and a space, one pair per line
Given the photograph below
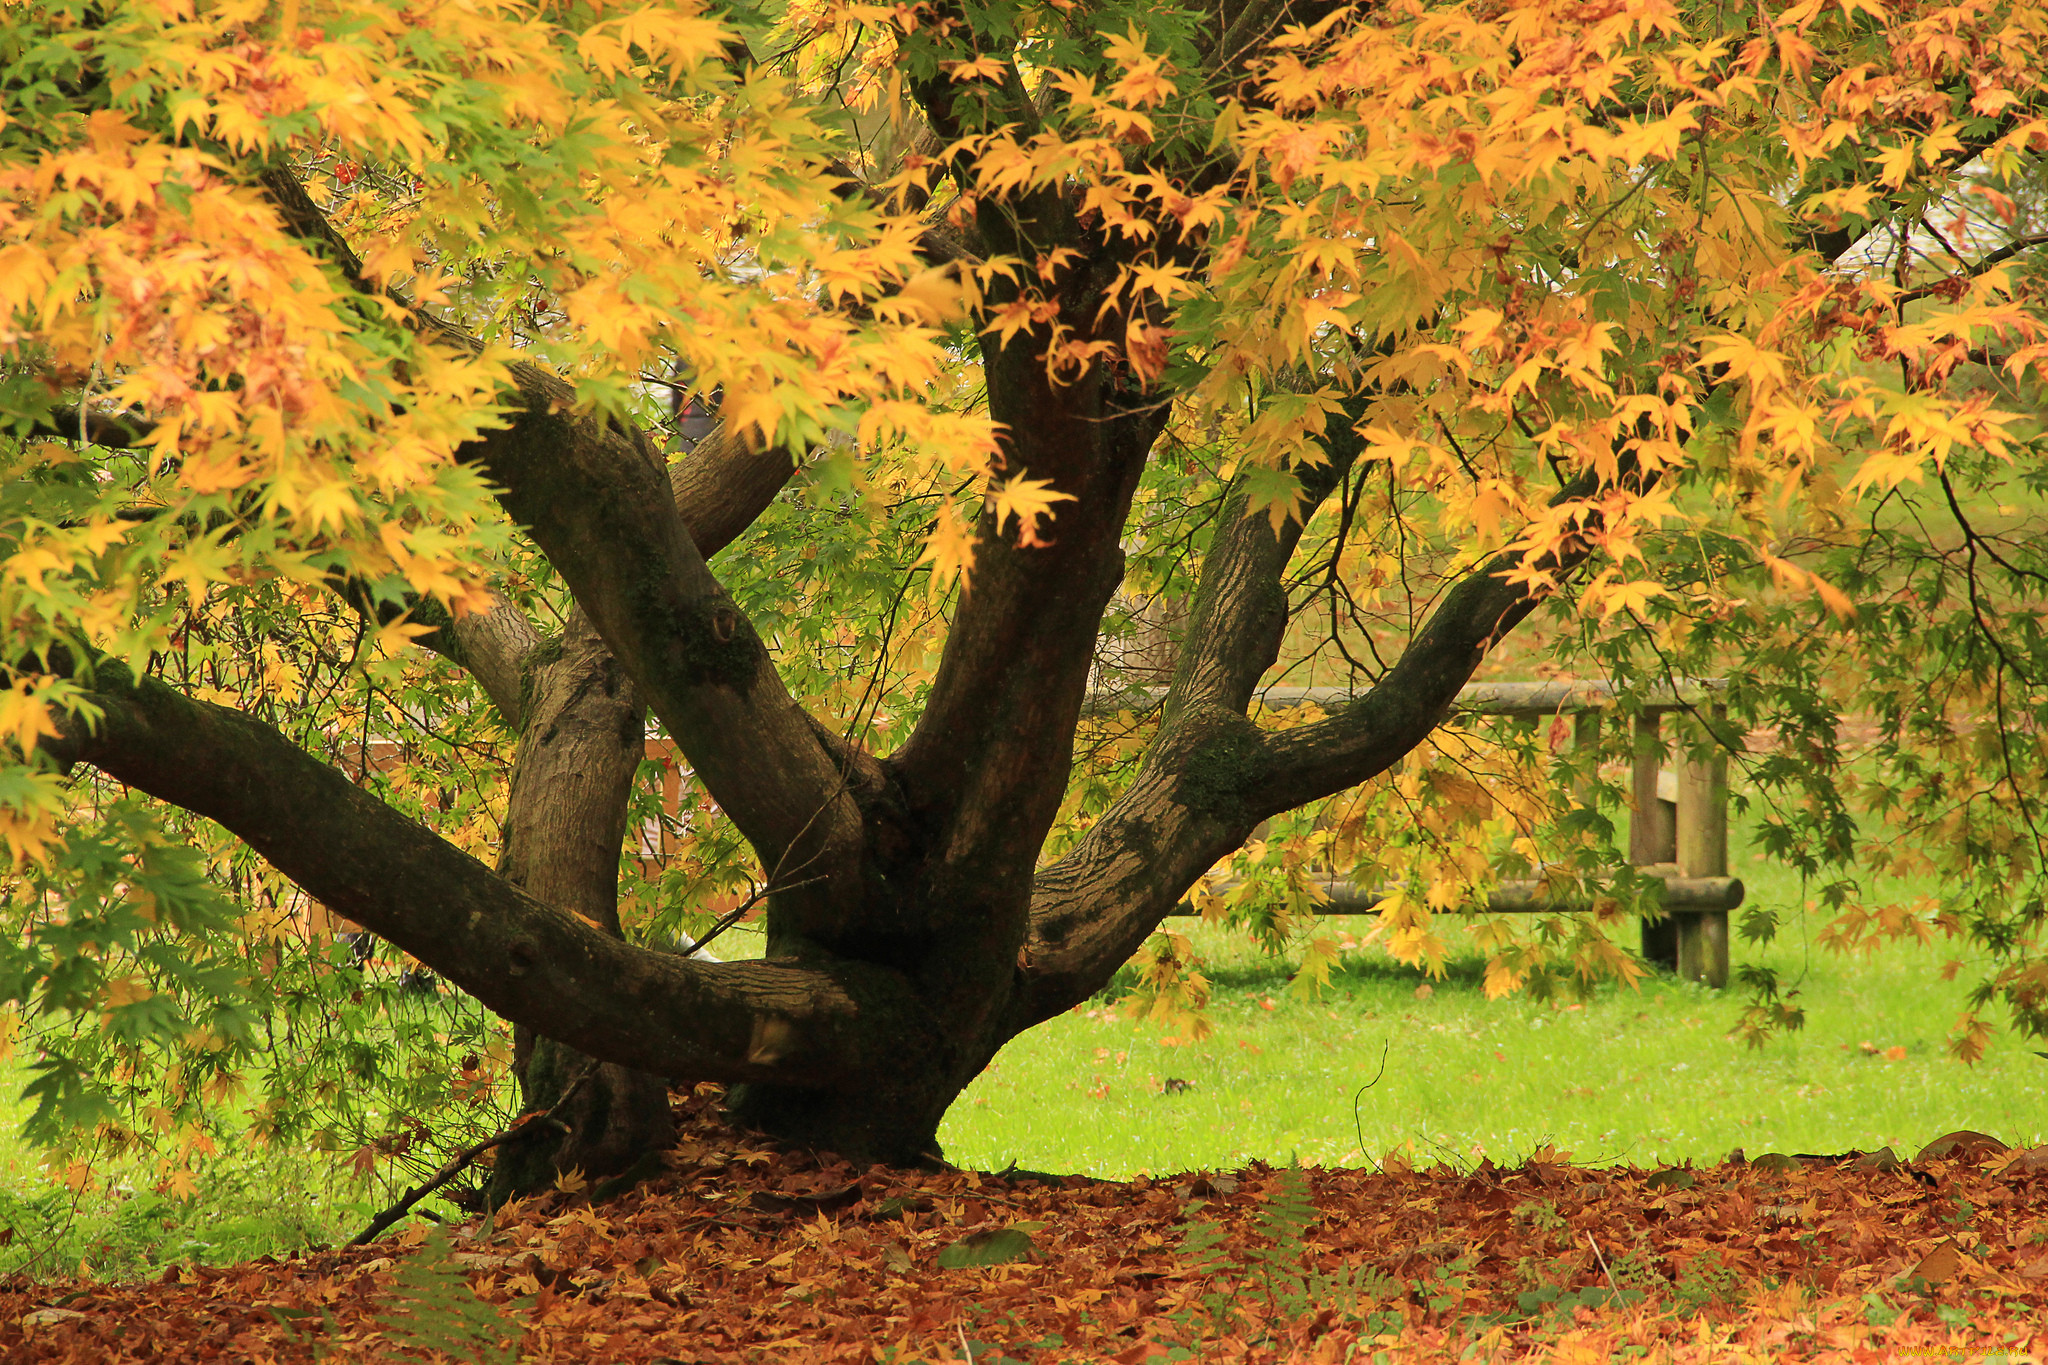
1679, 833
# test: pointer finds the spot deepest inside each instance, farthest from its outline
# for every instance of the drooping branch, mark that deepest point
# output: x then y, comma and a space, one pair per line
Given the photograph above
524, 960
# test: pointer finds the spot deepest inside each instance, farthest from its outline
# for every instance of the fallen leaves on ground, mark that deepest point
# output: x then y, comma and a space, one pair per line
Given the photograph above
746, 1253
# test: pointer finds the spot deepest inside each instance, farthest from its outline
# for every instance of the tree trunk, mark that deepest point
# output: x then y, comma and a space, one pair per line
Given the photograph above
616, 1119
565, 824
894, 1118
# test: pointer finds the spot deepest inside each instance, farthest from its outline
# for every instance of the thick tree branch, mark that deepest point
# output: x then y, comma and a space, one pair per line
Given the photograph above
526, 961
724, 485
599, 502
1369, 735
1212, 775
720, 489
114, 430
981, 771
1239, 615
1024, 223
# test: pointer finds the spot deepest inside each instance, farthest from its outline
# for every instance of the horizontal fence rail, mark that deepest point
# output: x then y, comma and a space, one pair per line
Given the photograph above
1475, 699
1522, 896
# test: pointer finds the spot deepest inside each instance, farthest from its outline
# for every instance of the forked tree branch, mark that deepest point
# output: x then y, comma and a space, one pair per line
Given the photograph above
1212, 775
1240, 611
598, 503
720, 489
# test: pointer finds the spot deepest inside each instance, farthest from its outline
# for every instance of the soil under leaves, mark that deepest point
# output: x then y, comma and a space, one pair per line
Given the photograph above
748, 1253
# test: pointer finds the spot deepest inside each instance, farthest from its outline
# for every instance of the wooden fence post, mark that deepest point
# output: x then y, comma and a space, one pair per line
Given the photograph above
1702, 851
1585, 739
1652, 830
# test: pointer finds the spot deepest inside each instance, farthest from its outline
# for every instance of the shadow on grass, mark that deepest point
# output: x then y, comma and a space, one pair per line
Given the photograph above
1463, 973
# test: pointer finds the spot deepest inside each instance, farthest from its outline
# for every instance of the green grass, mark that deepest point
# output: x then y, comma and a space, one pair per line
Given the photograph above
1642, 1077
247, 1204
1639, 1076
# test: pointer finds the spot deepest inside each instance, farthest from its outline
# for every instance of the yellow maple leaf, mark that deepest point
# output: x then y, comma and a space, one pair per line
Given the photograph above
1613, 597
25, 714
1479, 326
1029, 501
1895, 164
949, 549
985, 68
1835, 599
126, 990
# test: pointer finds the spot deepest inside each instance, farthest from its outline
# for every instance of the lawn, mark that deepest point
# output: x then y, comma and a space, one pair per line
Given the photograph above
1640, 1076
247, 1205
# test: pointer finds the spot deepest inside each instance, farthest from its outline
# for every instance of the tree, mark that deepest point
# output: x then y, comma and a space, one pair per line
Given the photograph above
1408, 319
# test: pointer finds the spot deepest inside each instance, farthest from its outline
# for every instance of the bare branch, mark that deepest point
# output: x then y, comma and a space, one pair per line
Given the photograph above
114, 430
521, 1127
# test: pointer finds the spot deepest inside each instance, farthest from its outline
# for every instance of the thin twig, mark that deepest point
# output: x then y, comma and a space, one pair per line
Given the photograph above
738, 913
520, 1126
1357, 1123
1612, 1287
1996, 258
